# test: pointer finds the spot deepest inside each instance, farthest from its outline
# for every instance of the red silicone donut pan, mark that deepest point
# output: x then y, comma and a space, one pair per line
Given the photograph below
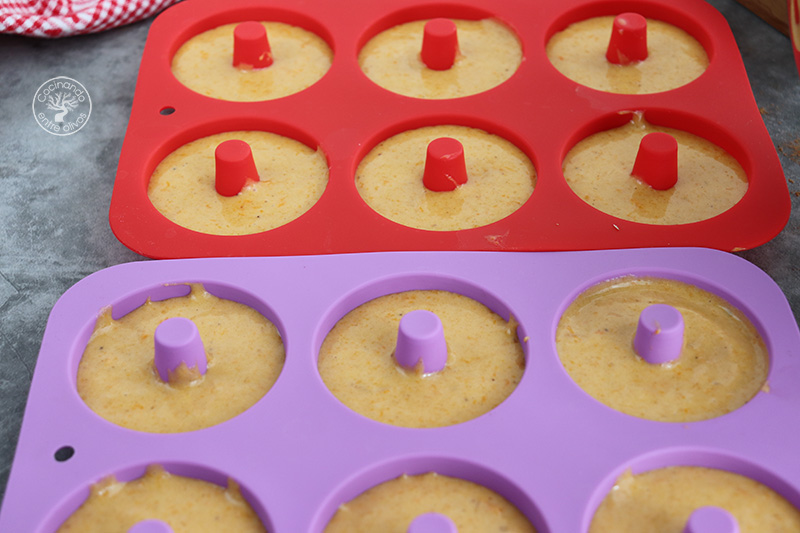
538, 109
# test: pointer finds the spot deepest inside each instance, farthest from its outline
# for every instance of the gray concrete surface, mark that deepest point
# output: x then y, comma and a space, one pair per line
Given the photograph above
56, 190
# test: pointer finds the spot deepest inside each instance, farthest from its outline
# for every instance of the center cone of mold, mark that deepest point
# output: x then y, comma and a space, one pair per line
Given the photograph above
177, 341
250, 45
432, 523
628, 42
711, 520
445, 166
420, 339
657, 161
150, 526
234, 167
439, 44
659, 334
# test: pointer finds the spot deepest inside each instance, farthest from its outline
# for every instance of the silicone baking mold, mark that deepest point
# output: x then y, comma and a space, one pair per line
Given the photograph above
299, 453
538, 109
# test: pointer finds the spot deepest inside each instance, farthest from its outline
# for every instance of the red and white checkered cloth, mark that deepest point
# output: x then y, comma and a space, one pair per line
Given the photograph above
61, 18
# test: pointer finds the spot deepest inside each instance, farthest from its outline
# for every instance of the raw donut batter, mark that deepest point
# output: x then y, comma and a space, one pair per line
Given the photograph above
117, 380
391, 506
485, 361
489, 53
500, 179
660, 501
188, 505
674, 58
723, 364
292, 179
204, 64
598, 169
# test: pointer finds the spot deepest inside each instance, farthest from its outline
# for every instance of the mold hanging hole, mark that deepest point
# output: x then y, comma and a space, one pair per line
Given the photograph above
166, 110
64, 453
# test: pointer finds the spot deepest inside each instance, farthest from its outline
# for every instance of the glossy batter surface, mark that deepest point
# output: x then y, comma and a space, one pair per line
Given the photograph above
292, 177
500, 178
489, 54
117, 379
391, 506
484, 361
674, 58
204, 64
661, 501
723, 363
598, 169
188, 505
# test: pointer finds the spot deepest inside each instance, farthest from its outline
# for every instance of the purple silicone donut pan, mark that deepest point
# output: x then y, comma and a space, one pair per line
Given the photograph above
299, 453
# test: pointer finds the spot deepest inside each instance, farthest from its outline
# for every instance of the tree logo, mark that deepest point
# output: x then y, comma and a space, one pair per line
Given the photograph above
62, 106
